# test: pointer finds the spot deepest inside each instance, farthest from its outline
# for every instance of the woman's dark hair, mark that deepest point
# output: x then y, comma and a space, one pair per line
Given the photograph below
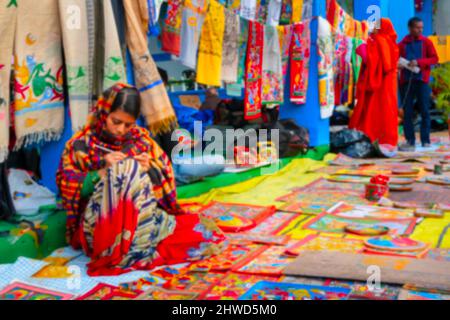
412, 22
128, 100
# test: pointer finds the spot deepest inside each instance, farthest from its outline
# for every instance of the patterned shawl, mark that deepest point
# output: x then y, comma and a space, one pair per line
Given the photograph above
81, 156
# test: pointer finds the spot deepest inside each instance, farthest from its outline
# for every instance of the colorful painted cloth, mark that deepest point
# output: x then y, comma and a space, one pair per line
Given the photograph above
193, 16
248, 9
170, 37
300, 55
81, 156
286, 12
262, 7
340, 20
154, 10
253, 72
156, 107
243, 45
38, 70
209, 69
307, 13
124, 230
442, 45
230, 62
297, 11
342, 70
325, 49
7, 30
285, 36
274, 12
272, 72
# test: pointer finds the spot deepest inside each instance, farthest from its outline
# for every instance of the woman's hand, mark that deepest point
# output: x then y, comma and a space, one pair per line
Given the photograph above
144, 161
114, 157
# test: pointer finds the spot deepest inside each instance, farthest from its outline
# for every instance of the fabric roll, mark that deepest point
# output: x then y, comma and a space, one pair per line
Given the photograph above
156, 107
272, 72
8, 15
38, 69
325, 48
193, 18
209, 69
230, 62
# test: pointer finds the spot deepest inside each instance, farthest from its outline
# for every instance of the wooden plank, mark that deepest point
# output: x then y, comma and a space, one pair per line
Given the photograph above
423, 273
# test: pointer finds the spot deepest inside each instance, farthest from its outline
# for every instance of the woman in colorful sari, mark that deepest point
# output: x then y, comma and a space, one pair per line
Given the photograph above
118, 188
376, 111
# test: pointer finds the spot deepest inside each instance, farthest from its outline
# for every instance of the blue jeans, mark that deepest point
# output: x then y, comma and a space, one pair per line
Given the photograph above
187, 170
421, 92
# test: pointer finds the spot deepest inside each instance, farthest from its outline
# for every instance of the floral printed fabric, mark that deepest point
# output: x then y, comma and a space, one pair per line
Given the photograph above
272, 76
230, 61
325, 47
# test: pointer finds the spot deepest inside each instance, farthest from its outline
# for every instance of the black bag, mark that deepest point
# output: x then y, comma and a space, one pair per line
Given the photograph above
293, 139
6, 205
352, 143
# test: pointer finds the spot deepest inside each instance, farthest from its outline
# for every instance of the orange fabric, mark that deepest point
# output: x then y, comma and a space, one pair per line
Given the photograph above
376, 112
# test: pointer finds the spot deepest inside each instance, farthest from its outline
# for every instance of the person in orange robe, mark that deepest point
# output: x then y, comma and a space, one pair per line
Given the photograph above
376, 111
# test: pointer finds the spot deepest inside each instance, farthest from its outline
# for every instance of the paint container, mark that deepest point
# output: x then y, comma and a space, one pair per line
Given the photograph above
374, 192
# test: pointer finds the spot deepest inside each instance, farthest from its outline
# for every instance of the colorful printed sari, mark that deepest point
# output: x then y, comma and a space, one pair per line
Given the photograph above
156, 106
127, 224
300, 55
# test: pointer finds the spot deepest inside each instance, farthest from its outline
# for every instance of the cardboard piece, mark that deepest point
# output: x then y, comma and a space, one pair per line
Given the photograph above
396, 270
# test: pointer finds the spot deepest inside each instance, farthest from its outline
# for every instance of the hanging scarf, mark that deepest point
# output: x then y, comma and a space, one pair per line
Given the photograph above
235, 89
234, 6
340, 20
7, 30
81, 156
253, 72
300, 55
339, 67
248, 9
230, 61
193, 17
156, 106
325, 49
297, 10
170, 37
272, 74
274, 11
154, 9
285, 36
307, 10
286, 12
209, 70
38, 69
114, 64
262, 11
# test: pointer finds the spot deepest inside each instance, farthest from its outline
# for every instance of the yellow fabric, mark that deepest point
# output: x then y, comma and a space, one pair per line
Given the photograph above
297, 10
435, 232
442, 45
209, 68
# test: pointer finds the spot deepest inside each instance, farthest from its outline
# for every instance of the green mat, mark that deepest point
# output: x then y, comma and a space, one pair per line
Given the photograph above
227, 179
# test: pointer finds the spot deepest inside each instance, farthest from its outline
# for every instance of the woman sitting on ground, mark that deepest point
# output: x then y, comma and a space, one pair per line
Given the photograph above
118, 188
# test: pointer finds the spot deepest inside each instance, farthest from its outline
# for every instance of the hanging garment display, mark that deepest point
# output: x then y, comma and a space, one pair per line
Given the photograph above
274, 11
154, 9
442, 45
300, 56
325, 48
209, 69
248, 9
297, 11
286, 12
272, 72
7, 30
285, 36
170, 37
230, 54
253, 74
307, 10
262, 7
38, 70
193, 16
235, 89
155, 104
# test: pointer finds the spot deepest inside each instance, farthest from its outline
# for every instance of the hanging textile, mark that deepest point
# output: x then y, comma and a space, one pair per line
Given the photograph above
248, 9
253, 72
340, 20
272, 72
442, 45
76, 56
170, 37
193, 16
300, 56
234, 6
356, 59
262, 11
339, 67
7, 30
350, 77
297, 10
114, 63
154, 9
235, 89
38, 70
286, 12
155, 103
209, 70
325, 48
273, 14
285, 36
230, 62
307, 10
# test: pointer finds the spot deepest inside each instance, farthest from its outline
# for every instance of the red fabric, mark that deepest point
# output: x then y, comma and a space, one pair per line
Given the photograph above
429, 57
376, 112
